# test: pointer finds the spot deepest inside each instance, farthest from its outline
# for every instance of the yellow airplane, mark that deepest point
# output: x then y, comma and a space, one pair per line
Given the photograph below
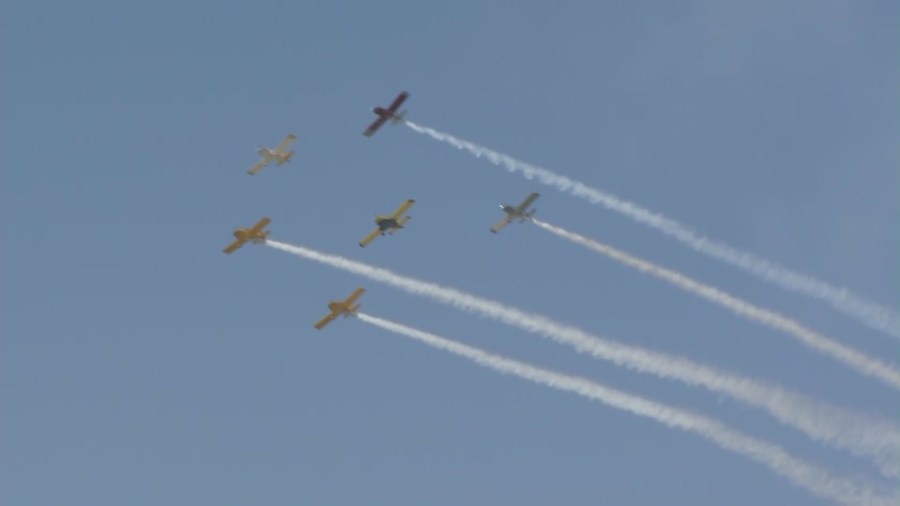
341, 307
519, 212
389, 224
279, 155
254, 234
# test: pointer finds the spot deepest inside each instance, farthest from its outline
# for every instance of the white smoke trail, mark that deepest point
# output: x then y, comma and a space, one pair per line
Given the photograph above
886, 373
869, 313
818, 481
860, 434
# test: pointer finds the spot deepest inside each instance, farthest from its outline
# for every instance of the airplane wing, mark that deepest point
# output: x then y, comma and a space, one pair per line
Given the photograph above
500, 224
259, 165
325, 321
261, 224
402, 209
369, 238
353, 296
233, 246
285, 143
527, 202
375, 126
398, 101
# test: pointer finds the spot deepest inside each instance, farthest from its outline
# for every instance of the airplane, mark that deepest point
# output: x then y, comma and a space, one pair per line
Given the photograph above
389, 224
278, 154
387, 114
341, 307
519, 212
254, 234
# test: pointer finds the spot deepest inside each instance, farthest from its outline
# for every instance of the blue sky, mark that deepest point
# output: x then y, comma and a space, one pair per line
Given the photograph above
139, 365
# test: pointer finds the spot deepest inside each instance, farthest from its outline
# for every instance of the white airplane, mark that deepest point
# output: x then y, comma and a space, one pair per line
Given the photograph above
519, 212
278, 155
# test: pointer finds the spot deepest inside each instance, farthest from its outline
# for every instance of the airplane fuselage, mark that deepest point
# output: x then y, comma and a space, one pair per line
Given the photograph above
385, 224
384, 113
387, 114
340, 308
243, 234
270, 154
515, 214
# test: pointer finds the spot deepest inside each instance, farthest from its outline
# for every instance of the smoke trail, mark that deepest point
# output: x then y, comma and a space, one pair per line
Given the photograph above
860, 434
888, 374
818, 481
869, 313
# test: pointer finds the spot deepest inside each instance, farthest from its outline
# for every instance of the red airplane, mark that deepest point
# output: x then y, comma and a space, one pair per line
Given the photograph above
387, 114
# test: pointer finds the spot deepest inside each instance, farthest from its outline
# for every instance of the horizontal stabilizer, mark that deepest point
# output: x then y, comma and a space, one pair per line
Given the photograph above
287, 157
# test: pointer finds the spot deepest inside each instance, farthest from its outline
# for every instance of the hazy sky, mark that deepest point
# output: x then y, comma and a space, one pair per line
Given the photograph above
140, 365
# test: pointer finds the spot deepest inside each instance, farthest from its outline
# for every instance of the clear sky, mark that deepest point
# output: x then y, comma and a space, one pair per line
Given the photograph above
139, 365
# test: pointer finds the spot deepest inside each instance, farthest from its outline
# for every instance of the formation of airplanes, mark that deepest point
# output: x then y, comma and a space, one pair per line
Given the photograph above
385, 224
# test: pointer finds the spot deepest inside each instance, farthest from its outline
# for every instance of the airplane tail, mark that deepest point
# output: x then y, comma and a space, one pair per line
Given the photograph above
353, 310
402, 221
286, 158
398, 117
